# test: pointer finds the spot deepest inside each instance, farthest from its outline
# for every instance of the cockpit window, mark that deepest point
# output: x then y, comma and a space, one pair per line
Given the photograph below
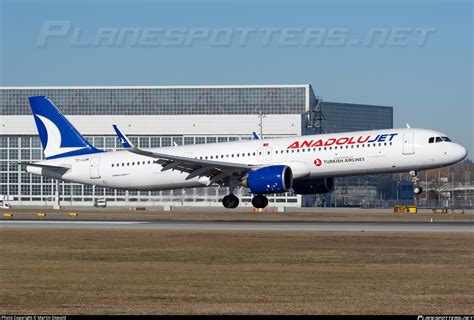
438, 139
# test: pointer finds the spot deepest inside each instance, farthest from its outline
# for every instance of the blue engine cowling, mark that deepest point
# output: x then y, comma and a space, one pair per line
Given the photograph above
273, 179
314, 186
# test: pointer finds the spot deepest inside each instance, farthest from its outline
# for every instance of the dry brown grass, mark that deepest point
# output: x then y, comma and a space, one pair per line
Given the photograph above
148, 272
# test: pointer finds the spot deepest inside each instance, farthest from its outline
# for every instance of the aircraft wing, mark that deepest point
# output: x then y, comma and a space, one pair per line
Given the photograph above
215, 170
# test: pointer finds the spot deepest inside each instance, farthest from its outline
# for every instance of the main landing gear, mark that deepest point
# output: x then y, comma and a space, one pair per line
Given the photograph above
414, 179
260, 201
230, 201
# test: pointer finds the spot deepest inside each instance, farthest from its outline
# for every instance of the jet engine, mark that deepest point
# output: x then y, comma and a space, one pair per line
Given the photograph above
272, 179
314, 186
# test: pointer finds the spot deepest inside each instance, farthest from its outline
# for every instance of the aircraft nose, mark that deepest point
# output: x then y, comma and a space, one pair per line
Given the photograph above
460, 152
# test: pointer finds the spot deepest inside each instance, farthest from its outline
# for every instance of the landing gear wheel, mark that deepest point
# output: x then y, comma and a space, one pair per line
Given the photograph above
259, 201
417, 190
230, 201
414, 179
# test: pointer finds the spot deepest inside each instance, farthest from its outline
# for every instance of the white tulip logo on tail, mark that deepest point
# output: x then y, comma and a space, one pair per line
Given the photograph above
53, 144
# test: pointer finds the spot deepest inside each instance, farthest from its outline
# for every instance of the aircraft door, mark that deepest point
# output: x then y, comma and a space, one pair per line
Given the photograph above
94, 168
408, 142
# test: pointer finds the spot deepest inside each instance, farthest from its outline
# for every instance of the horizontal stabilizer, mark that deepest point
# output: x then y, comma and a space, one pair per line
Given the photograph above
57, 169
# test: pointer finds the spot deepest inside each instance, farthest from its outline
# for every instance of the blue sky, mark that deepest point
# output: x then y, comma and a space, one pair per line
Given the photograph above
428, 82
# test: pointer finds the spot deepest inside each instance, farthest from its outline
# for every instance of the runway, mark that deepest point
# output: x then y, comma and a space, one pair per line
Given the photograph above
365, 226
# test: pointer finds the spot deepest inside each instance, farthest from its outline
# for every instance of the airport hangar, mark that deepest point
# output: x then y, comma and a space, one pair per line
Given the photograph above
155, 116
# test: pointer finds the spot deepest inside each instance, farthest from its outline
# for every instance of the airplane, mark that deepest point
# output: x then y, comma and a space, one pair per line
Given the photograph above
300, 164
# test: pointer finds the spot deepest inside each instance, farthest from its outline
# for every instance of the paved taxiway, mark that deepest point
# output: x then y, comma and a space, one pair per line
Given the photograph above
374, 226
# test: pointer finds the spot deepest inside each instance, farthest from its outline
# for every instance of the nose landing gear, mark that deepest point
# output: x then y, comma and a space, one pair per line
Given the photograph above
414, 179
417, 189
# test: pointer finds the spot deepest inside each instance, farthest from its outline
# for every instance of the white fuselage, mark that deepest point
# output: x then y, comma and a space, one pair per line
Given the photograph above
315, 156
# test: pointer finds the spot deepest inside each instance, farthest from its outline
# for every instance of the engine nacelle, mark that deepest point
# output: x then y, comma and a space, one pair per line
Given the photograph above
314, 186
273, 179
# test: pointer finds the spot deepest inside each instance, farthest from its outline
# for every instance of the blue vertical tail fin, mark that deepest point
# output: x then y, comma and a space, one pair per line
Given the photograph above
58, 136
